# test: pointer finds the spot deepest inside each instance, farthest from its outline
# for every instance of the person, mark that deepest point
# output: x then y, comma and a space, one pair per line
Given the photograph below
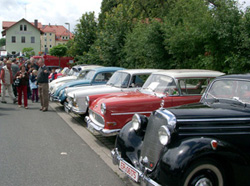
15, 69
33, 85
33, 64
43, 85
7, 81
1, 66
22, 88
29, 70
53, 74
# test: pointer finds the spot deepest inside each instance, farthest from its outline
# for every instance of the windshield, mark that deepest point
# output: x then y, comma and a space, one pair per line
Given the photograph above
161, 84
90, 75
71, 72
235, 90
119, 79
82, 74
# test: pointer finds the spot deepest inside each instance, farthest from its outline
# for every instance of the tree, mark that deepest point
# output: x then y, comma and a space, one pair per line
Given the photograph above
2, 42
28, 52
59, 51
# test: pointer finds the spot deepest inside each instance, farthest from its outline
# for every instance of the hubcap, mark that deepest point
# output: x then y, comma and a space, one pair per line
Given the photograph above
204, 182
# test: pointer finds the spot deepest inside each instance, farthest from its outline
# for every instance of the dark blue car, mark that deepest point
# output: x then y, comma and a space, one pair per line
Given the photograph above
97, 76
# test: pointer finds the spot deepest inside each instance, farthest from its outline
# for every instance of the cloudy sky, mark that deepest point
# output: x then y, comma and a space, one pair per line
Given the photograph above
52, 11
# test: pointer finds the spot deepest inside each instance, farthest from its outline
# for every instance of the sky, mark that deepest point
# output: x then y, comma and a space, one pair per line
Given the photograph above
54, 12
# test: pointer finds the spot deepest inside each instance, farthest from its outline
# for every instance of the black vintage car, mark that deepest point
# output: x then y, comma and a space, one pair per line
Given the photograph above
202, 144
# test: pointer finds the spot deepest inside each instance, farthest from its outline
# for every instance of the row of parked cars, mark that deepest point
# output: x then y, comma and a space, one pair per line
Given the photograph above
174, 127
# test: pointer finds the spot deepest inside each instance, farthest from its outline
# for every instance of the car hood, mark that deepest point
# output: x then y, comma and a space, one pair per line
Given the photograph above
217, 112
61, 79
86, 91
73, 83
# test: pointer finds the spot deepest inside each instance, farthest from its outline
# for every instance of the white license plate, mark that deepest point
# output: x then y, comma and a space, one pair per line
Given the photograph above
91, 128
129, 170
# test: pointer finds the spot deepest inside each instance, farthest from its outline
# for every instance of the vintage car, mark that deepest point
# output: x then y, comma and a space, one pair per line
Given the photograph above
200, 144
78, 99
107, 115
76, 73
96, 76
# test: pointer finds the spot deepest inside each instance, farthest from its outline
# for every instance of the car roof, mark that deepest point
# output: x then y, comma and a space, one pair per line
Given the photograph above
139, 71
103, 69
236, 76
190, 73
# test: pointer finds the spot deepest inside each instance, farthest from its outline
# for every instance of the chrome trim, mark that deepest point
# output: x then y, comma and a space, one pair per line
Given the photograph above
101, 130
143, 179
218, 119
169, 116
129, 113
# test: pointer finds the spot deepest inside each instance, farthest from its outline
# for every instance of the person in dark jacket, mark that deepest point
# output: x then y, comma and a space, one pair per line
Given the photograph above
43, 85
22, 88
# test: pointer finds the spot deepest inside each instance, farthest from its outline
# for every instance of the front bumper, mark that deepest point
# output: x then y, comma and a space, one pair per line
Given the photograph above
94, 127
68, 107
143, 179
52, 97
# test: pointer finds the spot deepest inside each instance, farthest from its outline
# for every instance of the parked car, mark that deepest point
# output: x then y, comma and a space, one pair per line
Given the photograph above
78, 99
76, 73
107, 115
97, 76
205, 143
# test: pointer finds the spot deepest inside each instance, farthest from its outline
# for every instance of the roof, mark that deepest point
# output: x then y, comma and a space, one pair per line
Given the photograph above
139, 71
59, 30
236, 76
8, 24
103, 69
190, 73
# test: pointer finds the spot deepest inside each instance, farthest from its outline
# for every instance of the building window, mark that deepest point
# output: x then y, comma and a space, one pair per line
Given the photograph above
45, 34
50, 46
21, 27
25, 27
45, 46
50, 40
13, 52
32, 39
23, 39
13, 39
45, 39
50, 34
63, 37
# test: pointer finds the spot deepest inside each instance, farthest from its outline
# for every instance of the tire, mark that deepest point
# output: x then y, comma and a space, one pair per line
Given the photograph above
204, 173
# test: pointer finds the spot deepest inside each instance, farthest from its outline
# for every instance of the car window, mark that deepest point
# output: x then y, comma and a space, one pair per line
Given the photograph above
103, 77
82, 74
119, 79
193, 86
138, 80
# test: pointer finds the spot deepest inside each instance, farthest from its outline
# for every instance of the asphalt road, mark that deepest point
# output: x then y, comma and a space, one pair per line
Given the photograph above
41, 149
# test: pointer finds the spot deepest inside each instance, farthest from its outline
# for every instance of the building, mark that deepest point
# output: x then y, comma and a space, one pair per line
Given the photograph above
22, 34
41, 38
54, 35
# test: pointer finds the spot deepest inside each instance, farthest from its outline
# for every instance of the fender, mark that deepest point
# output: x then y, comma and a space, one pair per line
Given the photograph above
129, 144
178, 157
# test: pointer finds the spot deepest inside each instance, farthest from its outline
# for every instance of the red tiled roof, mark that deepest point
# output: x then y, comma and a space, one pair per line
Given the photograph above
7, 24
59, 30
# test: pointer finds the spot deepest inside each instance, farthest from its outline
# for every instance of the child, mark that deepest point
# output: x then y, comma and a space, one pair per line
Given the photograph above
33, 85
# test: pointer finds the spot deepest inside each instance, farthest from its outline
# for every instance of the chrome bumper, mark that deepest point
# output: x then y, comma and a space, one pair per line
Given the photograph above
53, 98
143, 179
67, 107
105, 132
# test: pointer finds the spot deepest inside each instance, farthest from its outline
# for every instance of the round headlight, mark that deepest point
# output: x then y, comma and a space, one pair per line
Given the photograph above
136, 122
87, 100
164, 135
103, 108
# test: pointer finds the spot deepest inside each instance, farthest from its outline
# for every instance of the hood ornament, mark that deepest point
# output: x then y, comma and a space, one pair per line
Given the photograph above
162, 104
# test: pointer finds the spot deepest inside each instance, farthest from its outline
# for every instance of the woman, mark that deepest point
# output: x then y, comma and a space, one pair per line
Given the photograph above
22, 88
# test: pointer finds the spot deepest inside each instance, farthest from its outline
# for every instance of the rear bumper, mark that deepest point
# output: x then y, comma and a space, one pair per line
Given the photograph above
143, 179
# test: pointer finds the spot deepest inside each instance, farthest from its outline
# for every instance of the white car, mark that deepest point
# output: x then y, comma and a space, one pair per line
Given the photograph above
121, 81
77, 72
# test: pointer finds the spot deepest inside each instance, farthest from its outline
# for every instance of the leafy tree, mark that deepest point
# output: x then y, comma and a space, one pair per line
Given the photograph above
28, 52
59, 51
2, 42
85, 35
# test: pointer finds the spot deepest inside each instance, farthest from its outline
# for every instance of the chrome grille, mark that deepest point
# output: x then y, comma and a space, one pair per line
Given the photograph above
151, 145
96, 118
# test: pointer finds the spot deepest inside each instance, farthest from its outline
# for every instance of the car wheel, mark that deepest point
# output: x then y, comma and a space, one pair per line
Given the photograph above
204, 173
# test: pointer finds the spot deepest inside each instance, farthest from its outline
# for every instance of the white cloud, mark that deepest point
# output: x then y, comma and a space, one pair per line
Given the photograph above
46, 11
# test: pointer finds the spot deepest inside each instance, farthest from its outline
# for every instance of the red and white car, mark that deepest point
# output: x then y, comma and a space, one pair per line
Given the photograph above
168, 88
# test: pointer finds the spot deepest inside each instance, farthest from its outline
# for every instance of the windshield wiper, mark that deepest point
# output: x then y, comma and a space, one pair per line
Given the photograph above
214, 100
240, 101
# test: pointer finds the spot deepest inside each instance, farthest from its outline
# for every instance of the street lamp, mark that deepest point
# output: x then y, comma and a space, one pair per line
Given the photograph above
68, 29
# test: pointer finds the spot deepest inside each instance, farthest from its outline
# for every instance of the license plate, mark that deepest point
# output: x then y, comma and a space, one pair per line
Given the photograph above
65, 107
91, 128
129, 170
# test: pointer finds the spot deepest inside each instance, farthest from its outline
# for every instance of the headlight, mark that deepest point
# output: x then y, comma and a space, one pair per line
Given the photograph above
87, 100
103, 108
74, 97
139, 123
164, 135
136, 122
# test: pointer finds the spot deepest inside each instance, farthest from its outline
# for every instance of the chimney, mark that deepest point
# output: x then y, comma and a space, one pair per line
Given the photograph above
36, 23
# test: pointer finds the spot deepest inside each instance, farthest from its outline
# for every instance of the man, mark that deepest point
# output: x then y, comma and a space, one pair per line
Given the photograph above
33, 64
7, 80
15, 69
43, 85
